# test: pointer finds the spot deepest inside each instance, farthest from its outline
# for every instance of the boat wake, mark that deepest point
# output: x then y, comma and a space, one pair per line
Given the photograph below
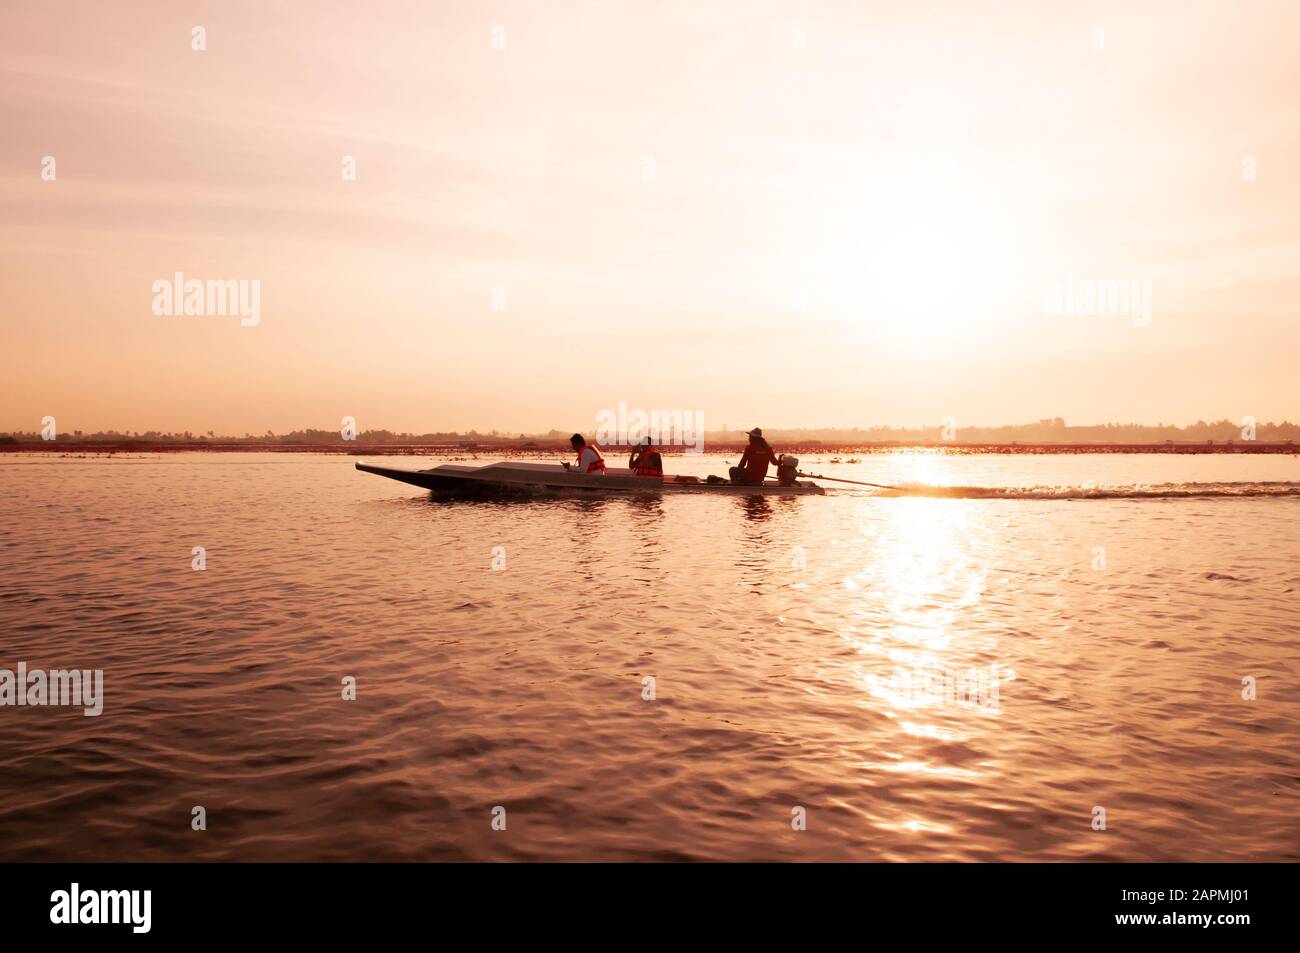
1160, 491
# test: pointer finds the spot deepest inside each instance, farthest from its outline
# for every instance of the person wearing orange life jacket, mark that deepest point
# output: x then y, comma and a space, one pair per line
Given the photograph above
589, 458
645, 460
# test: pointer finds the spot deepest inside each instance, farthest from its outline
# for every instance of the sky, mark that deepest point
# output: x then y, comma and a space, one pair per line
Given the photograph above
778, 214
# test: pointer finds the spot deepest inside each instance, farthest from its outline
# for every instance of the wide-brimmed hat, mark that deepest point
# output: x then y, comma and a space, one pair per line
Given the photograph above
756, 432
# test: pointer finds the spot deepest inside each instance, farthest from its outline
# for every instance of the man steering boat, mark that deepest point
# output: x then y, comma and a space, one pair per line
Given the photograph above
754, 462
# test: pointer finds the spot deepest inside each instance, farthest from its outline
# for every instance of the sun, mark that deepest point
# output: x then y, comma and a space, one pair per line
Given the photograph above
937, 254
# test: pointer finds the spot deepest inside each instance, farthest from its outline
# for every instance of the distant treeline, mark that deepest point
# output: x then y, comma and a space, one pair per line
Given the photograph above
1053, 431
1046, 431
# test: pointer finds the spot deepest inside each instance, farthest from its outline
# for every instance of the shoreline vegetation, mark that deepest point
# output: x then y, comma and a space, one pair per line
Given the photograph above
507, 451
1044, 437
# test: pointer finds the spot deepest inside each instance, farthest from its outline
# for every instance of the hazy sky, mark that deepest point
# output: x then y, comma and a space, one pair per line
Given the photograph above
779, 213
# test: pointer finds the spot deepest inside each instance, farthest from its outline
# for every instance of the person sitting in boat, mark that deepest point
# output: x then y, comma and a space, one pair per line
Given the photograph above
645, 460
754, 461
589, 458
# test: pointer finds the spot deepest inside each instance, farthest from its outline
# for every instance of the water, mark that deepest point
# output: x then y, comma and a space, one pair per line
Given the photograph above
797, 647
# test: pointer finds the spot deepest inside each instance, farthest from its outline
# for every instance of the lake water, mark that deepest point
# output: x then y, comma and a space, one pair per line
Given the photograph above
909, 677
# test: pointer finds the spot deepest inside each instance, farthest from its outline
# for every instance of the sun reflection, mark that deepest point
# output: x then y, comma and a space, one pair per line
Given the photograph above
922, 578
911, 603
915, 826
922, 571
936, 732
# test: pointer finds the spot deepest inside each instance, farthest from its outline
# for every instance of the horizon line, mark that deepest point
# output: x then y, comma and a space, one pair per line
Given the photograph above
949, 427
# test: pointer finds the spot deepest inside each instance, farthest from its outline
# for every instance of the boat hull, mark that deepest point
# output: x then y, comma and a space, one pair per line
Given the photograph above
543, 478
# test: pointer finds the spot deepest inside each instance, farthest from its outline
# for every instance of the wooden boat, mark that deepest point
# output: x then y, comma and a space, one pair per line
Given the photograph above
551, 477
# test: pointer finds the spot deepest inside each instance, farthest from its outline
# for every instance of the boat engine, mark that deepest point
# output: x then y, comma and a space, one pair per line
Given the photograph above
786, 468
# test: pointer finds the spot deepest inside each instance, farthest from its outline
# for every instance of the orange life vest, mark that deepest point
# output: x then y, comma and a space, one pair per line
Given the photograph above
597, 465
649, 464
